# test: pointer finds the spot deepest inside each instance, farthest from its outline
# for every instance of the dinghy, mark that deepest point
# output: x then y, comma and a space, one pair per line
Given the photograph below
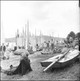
20, 51
69, 58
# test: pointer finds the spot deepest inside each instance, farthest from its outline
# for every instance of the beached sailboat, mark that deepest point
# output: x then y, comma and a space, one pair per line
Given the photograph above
69, 58
6, 64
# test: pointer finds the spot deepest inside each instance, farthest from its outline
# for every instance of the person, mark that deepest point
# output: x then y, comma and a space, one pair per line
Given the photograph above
0, 48
15, 48
7, 54
52, 45
47, 47
44, 46
79, 44
3, 47
23, 67
37, 47
79, 48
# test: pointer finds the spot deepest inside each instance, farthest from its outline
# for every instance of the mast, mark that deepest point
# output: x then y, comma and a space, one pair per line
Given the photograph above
2, 36
40, 37
35, 36
17, 37
25, 38
27, 33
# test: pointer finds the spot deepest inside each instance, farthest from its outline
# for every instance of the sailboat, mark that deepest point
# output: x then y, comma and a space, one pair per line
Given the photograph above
15, 60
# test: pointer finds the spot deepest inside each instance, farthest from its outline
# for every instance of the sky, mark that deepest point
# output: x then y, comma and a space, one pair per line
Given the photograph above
56, 18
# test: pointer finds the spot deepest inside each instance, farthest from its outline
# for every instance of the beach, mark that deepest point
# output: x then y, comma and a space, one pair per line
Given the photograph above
68, 73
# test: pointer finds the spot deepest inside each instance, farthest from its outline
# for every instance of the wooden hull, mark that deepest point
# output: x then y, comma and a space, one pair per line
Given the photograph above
39, 49
58, 64
14, 61
20, 51
44, 53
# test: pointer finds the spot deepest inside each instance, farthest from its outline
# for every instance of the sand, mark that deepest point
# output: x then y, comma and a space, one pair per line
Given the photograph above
68, 73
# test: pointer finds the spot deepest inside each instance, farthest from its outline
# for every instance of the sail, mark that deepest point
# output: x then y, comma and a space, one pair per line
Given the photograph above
2, 35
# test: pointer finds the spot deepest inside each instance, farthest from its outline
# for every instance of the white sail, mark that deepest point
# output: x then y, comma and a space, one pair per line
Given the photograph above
2, 34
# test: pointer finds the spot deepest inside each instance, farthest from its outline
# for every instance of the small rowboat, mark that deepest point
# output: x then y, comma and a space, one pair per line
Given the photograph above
20, 51
69, 58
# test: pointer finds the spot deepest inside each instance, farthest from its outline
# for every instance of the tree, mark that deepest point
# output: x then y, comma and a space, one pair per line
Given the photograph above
78, 35
65, 41
71, 37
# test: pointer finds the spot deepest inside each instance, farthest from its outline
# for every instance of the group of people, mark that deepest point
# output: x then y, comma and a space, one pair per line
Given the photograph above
48, 45
24, 65
4, 47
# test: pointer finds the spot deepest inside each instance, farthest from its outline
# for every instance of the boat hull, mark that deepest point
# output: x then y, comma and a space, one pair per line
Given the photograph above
44, 53
59, 64
14, 61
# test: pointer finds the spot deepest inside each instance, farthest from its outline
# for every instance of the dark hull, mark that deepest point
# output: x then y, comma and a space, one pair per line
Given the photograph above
59, 64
